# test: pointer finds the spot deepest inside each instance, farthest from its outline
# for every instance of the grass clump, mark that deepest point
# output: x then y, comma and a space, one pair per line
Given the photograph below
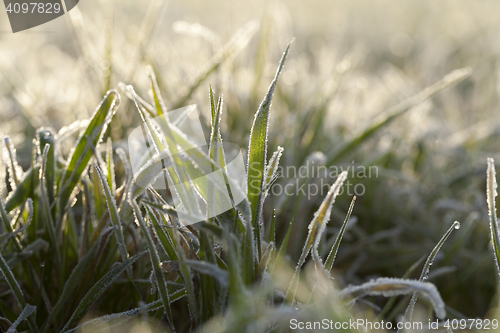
63, 270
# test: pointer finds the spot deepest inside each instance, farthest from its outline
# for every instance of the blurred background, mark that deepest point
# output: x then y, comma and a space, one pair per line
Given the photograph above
350, 61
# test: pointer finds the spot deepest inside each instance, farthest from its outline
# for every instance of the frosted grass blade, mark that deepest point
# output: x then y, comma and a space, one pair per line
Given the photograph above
115, 219
333, 252
389, 287
49, 222
27, 311
155, 262
316, 228
491, 194
85, 145
257, 152
428, 263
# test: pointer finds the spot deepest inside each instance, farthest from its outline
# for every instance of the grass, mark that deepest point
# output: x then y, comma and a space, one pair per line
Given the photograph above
85, 248
194, 276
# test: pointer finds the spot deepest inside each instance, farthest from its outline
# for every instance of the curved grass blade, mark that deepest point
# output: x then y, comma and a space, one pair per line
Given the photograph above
428, 263
491, 194
389, 287
257, 152
97, 289
449, 80
85, 145
18, 294
391, 301
333, 252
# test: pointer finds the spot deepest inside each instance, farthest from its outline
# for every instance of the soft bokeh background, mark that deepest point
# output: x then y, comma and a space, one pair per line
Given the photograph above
349, 62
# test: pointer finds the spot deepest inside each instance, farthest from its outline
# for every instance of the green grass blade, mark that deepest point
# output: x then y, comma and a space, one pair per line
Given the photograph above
333, 252
15, 172
491, 194
257, 151
164, 238
49, 222
110, 167
85, 145
284, 244
16, 289
24, 189
115, 219
97, 290
212, 106
155, 262
428, 263
46, 137
449, 80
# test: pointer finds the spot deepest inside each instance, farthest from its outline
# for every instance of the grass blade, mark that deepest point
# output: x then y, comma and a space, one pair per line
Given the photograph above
389, 287
257, 151
155, 262
333, 252
24, 189
97, 289
83, 150
27, 311
115, 219
491, 194
72, 283
428, 263
49, 222
316, 228
16, 289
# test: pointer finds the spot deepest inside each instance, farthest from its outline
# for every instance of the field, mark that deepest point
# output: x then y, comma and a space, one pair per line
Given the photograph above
370, 178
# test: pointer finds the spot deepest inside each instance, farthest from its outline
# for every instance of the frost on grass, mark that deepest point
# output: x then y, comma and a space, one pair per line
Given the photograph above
491, 194
389, 287
427, 266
